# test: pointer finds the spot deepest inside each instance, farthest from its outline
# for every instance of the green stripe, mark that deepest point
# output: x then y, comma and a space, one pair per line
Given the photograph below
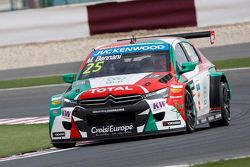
151, 125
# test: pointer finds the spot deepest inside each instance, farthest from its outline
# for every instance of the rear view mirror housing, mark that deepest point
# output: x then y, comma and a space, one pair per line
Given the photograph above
69, 77
188, 66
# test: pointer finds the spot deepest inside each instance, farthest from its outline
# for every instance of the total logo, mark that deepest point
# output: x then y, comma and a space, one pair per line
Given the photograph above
111, 129
110, 89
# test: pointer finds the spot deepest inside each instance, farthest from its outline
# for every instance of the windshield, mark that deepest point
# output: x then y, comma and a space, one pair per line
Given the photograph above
131, 63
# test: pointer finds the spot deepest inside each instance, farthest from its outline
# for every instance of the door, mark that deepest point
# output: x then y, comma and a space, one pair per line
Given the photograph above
198, 79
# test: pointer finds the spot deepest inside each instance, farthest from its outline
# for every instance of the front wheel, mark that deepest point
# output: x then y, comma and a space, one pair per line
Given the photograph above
225, 107
190, 112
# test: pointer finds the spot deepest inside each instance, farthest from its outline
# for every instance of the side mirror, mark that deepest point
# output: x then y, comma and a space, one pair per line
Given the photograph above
188, 66
69, 78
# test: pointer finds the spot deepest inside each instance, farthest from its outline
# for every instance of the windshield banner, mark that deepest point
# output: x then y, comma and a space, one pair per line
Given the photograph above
131, 49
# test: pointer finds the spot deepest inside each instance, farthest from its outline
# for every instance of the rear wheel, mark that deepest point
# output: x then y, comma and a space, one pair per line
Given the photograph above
225, 107
190, 112
64, 145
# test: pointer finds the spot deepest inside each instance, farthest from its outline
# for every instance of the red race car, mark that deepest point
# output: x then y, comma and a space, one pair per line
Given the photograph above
140, 86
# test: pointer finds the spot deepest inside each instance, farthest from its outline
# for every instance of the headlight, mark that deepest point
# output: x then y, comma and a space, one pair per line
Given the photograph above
162, 93
68, 103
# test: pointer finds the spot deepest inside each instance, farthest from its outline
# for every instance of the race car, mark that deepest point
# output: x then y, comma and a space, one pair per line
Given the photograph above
140, 86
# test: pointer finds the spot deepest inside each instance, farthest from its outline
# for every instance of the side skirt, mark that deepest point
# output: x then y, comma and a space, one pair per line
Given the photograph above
210, 117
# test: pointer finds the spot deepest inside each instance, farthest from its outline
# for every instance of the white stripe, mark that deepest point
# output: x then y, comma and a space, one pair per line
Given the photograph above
144, 89
56, 98
56, 108
45, 152
38, 122
30, 120
34, 154
235, 69
17, 120
35, 87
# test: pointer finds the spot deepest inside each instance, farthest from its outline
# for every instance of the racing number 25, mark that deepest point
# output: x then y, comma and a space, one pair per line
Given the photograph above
94, 67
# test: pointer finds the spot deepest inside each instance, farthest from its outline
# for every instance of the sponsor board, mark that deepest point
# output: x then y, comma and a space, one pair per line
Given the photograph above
103, 58
176, 86
111, 130
171, 123
110, 89
175, 97
116, 80
130, 49
58, 134
109, 110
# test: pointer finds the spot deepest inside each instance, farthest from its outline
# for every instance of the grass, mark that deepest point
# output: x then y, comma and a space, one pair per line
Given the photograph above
17, 83
244, 162
16, 139
232, 63
26, 82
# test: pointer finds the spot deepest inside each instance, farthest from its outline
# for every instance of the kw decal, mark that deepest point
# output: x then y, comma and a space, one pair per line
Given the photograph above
158, 105
66, 114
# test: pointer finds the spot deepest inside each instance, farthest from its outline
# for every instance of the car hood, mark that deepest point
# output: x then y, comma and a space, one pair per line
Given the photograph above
118, 85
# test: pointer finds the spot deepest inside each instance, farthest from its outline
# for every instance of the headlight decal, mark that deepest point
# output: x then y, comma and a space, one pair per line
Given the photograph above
68, 102
162, 93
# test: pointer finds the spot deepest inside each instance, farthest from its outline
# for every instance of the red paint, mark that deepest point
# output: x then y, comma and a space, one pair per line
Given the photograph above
215, 108
140, 14
74, 133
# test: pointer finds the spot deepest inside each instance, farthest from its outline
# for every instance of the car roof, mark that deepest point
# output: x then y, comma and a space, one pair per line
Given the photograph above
168, 40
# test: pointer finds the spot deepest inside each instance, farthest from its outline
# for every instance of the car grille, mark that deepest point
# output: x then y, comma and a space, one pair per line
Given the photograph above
111, 119
111, 101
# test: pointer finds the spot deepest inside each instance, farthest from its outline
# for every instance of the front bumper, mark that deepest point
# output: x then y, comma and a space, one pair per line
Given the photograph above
95, 123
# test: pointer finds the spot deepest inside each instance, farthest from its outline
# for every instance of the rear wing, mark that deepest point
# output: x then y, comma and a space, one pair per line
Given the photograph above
192, 35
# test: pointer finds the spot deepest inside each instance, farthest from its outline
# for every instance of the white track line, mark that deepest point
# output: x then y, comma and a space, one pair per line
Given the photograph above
235, 69
29, 120
204, 162
35, 87
34, 154
44, 152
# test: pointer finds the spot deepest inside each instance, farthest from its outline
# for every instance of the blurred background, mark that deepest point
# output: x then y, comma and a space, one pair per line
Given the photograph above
8, 5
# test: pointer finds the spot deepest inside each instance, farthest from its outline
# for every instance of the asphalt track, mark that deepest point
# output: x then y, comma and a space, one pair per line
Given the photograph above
203, 145
212, 53
27, 102
35, 102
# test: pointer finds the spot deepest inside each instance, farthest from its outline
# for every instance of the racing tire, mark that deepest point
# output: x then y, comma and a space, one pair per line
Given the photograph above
63, 145
225, 107
190, 112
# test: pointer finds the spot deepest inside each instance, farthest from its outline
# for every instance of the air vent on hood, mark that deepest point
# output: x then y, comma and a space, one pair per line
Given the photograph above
166, 78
